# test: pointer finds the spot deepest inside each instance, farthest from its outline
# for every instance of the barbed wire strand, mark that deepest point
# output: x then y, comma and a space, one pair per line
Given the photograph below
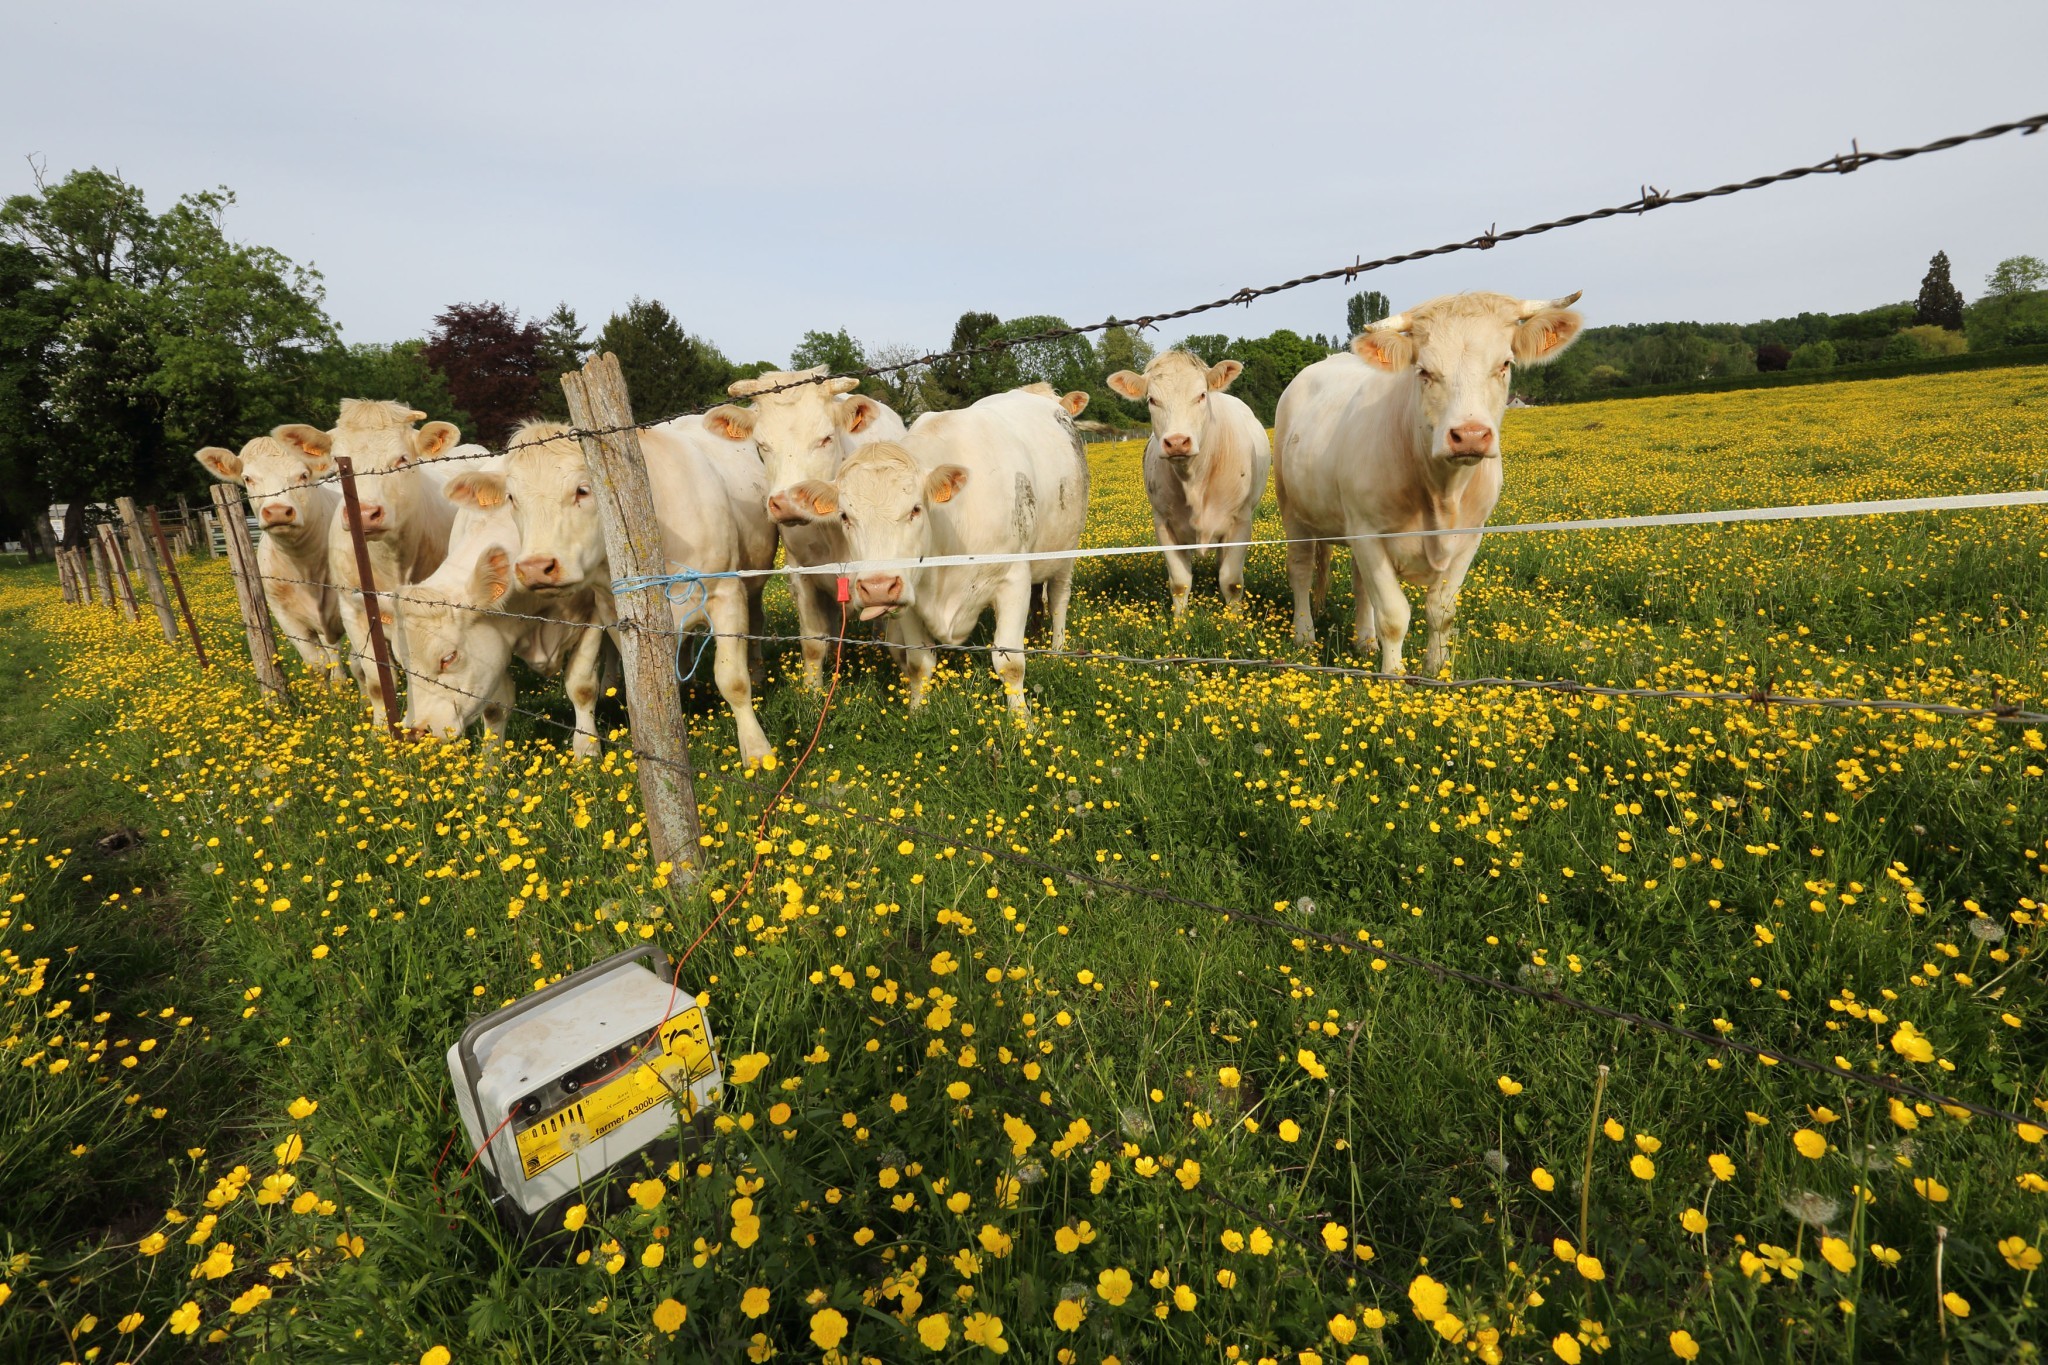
1648, 200
1365, 942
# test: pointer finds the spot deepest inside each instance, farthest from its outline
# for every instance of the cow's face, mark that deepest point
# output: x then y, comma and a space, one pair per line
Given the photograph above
279, 479
801, 432
561, 539
1461, 351
455, 660
385, 448
882, 501
1176, 387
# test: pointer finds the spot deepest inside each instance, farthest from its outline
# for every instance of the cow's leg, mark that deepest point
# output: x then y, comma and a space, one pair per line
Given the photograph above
757, 626
1013, 606
1180, 578
1230, 566
815, 627
1301, 575
1389, 604
916, 656
727, 610
1441, 605
498, 710
1059, 592
1319, 597
1362, 635
580, 680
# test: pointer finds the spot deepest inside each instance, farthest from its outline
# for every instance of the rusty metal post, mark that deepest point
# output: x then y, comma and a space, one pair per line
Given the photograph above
156, 527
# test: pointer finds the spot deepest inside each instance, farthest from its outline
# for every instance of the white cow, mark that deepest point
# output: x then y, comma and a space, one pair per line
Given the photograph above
711, 507
1401, 434
803, 432
1005, 476
297, 515
405, 519
462, 624
1205, 466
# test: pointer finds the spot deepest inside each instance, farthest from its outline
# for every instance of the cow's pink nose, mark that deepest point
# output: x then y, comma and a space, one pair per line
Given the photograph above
372, 516
539, 571
880, 589
1470, 438
277, 514
1177, 447
781, 509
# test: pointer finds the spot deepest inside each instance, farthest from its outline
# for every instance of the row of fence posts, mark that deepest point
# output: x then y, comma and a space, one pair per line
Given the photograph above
147, 545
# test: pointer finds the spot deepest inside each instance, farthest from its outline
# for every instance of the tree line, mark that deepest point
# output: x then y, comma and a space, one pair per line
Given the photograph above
130, 338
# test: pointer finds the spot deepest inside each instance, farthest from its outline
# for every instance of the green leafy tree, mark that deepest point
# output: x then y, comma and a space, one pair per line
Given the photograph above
2016, 275
667, 370
30, 316
1814, 355
168, 335
397, 371
1362, 310
838, 350
1940, 302
563, 348
957, 381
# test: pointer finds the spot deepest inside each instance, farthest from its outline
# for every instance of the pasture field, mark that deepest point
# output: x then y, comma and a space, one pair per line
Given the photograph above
980, 1109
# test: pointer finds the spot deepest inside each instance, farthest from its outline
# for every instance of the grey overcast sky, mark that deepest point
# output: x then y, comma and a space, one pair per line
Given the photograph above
764, 169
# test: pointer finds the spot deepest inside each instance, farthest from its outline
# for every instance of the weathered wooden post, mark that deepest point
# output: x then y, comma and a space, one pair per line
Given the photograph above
598, 402
209, 526
145, 560
65, 587
352, 513
115, 556
270, 678
96, 550
156, 527
81, 565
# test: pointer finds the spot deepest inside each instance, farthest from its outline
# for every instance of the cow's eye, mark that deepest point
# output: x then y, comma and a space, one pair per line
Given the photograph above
915, 513
824, 441
582, 491
1154, 402
400, 462
1426, 376
448, 661
1506, 365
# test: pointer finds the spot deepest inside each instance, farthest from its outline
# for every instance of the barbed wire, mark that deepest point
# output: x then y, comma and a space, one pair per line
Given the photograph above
1362, 942
1763, 696
1647, 200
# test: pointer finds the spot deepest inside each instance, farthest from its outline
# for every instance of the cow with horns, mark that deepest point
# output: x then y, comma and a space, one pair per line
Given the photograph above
1387, 446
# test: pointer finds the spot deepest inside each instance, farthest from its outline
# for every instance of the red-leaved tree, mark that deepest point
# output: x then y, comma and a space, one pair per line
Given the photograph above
492, 362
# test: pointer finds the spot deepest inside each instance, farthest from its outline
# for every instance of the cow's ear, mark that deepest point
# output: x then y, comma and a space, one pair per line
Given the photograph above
1128, 384
479, 488
732, 423
222, 463
1387, 350
320, 466
945, 481
308, 441
855, 415
435, 439
813, 497
492, 577
1075, 403
1224, 373
1543, 336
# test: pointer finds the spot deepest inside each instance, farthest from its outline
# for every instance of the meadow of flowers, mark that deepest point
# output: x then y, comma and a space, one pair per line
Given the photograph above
978, 1108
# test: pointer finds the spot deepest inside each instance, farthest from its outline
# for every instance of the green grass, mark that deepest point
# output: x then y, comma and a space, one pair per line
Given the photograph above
1522, 836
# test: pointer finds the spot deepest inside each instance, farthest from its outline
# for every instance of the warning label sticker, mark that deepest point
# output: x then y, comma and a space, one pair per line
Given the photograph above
681, 1057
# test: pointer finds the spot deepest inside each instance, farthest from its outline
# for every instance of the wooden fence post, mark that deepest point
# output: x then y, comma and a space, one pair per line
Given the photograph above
145, 560
156, 527
112, 540
270, 678
81, 573
96, 551
353, 515
65, 587
209, 523
654, 706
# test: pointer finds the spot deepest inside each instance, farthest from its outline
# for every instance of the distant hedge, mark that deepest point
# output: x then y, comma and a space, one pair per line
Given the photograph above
2001, 358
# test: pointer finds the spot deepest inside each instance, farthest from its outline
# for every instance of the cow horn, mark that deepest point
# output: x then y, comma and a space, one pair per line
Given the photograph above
847, 385
1531, 307
1399, 322
744, 388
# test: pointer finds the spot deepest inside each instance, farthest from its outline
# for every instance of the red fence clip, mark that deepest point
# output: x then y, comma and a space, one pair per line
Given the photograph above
845, 589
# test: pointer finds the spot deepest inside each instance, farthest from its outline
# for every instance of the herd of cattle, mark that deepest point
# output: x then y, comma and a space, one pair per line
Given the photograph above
1379, 448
